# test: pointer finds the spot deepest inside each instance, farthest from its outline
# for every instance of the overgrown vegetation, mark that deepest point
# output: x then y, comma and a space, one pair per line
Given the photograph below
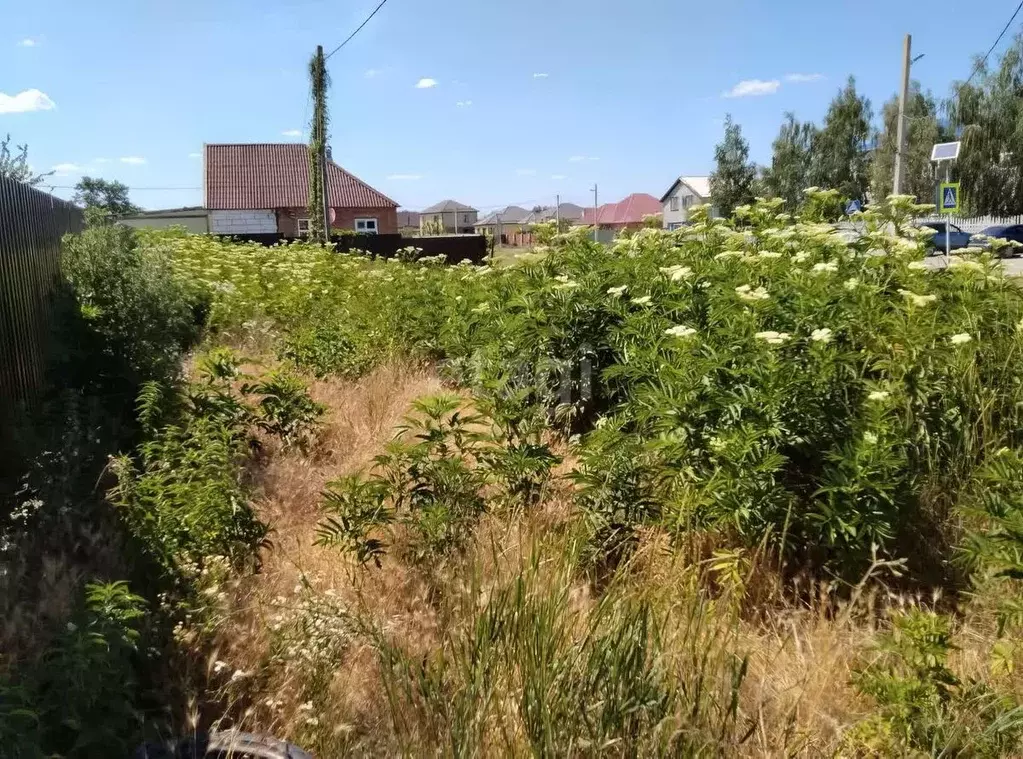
651, 457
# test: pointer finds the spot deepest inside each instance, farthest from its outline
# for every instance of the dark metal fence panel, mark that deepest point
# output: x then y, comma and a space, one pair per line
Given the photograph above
32, 224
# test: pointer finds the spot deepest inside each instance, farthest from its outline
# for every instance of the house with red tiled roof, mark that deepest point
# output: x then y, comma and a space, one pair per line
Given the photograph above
264, 188
627, 213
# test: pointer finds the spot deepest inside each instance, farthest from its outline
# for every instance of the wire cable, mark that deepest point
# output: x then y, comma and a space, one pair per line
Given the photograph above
983, 61
349, 39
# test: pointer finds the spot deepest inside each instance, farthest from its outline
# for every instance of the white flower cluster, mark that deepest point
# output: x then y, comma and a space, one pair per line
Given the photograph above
826, 267
773, 338
822, 335
748, 293
918, 300
676, 273
643, 300
616, 292
961, 339
680, 330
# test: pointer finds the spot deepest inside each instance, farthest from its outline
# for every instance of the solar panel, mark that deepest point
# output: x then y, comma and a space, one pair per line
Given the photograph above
945, 151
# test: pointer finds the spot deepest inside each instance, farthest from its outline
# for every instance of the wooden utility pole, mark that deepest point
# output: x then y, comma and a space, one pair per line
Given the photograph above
902, 131
596, 227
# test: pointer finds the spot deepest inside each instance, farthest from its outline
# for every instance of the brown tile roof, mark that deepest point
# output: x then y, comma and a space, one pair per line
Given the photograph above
631, 210
276, 175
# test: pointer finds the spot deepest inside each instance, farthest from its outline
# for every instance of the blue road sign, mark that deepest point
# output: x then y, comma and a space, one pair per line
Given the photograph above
950, 197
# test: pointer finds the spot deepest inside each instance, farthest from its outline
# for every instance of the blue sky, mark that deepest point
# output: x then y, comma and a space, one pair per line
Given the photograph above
528, 99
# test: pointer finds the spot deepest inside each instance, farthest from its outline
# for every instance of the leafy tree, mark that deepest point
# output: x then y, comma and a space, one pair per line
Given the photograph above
791, 165
735, 176
319, 81
104, 198
923, 130
841, 150
989, 113
14, 165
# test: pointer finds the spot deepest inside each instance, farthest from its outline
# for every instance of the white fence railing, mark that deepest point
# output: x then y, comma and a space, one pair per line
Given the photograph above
974, 224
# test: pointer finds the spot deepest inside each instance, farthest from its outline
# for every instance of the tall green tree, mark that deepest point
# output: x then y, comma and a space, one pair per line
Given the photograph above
922, 130
105, 197
791, 161
319, 81
14, 164
988, 112
842, 148
734, 178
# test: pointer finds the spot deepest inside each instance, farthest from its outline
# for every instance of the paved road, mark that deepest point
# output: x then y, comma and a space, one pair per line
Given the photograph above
1013, 266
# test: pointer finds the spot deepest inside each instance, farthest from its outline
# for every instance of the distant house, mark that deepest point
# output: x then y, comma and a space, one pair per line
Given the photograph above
507, 221
264, 188
567, 212
627, 213
193, 218
685, 193
408, 223
452, 216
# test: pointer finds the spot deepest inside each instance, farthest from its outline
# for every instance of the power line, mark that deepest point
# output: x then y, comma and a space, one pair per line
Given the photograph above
371, 15
133, 189
983, 61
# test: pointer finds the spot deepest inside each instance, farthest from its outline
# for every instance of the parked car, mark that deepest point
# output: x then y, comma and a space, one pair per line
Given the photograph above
957, 238
1011, 232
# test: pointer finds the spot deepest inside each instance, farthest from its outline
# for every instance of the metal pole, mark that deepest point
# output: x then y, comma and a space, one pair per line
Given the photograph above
596, 227
902, 136
948, 173
557, 212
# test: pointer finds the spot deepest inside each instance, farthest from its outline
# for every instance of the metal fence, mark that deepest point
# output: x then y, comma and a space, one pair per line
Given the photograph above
974, 224
32, 224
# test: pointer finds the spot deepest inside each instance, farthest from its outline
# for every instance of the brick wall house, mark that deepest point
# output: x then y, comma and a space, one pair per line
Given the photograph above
264, 188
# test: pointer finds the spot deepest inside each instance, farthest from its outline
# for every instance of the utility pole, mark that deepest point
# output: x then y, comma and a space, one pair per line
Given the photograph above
902, 136
557, 212
596, 227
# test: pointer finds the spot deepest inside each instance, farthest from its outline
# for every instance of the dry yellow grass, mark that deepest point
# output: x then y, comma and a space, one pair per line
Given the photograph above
797, 698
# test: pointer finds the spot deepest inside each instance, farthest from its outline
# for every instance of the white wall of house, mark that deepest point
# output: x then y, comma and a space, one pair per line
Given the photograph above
452, 221
677, 205
242, 222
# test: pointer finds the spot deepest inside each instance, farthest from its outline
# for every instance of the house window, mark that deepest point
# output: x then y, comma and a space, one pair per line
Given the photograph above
687, 202
304, 227
366, 226
674, 203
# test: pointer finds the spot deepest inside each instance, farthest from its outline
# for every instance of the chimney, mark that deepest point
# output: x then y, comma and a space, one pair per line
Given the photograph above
329, 158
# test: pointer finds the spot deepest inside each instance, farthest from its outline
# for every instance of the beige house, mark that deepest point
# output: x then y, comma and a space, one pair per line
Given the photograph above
683, 194
451, 216
195, 219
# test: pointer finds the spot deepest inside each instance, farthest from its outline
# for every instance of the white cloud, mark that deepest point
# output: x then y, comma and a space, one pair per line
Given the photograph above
753, 87
66, 169
195, 155
134, 160
28, 42
426, 83
292, 132
525, 172
799, 78
558, 176
404, 177
578, 158
25, 102
464, 103
370, 73
541, 75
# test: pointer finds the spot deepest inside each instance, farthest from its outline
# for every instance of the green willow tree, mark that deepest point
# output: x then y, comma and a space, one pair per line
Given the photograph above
988, 114
734, 178
791, 162
319, 81
923, 131
842, 148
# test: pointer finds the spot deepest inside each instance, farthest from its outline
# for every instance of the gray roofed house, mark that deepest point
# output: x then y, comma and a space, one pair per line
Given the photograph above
452, 217
684, 193
507, 215
567, 212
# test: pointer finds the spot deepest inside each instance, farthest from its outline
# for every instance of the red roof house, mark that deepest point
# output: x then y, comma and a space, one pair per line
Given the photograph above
627, 213
264, 188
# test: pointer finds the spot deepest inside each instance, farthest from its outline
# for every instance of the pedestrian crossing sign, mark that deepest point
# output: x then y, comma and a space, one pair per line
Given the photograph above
949, 198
